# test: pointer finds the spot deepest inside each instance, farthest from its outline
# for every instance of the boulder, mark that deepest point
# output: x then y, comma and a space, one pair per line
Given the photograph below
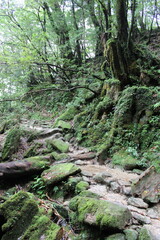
147, 186
59, 172
100, 213
59, 156
137, 202
149, 232
64, 125
117, 236
11, 143
81, 186
131, 234
59, 145
22, 219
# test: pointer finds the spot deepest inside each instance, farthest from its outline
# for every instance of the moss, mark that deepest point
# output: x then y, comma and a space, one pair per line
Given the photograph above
125, 160
59, 172
103, 106
89, 194
25, 220
144, 234
41, 225
32, 151
39, 161
117, 236
69, 114
59, 156
101, 213
70, 185
11, 143
64, 125
81, 186
59, 145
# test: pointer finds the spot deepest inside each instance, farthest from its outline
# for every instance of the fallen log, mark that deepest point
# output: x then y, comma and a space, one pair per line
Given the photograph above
26, 167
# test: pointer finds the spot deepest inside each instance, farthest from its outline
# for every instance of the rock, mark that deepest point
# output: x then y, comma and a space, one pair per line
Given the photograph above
147, 186
124, 159
100, 213
115, 187
86, 174
84, 156
141, 219
152, 213
21, 218
149, 232
131, 234
99, 178
81, 186
80, 162
59, 145
11, 143
117, 236
127, 191
59, 172
64, 125
59, 156
89, 194
61, 210
137, 202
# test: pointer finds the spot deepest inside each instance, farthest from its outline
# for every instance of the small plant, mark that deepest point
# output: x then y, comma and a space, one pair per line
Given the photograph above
38, 187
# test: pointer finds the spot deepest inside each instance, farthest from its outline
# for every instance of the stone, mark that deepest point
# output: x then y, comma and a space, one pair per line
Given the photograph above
127, 191
131, 234
125, 160
64, 125
59, 156
21, 218
115, 187
59, 145
152, 213
149, 232
11, 143
99, 178
137, 202
81, 186
141, 219
147, 186
100, 213
57, 173
117, 236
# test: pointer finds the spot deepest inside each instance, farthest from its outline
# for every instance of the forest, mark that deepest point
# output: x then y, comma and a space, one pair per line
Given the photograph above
79, 120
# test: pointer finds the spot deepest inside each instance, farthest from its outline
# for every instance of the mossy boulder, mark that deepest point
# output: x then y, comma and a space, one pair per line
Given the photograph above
100, 213
149, 232
81, 186
131, 234
87, 193
59, 156
22, 219
117, 236
59, 145
59, 172
11, 143
68, 115
64, 125
125, 160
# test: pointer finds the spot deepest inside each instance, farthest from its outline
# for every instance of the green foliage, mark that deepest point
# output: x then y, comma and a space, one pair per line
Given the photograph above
38, 187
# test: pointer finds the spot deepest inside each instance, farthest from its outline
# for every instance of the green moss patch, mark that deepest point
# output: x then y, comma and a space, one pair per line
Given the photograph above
59, 172
100, 213
11, 143
125, 160
59, 145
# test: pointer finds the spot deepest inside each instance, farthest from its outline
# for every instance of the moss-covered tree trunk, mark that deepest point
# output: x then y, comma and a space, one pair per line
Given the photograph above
118, 53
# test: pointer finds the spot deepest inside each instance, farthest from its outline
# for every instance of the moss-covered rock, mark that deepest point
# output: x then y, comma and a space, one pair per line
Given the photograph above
81, 186
69, 114
64, 125
89, 194
32, 151
59, 156
131, 234
11, 143
59, 145
125, 160
24, 220
59, 172
100, 213
117, 236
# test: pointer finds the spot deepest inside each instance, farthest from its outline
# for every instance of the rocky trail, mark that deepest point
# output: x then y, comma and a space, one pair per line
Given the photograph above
109, 183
